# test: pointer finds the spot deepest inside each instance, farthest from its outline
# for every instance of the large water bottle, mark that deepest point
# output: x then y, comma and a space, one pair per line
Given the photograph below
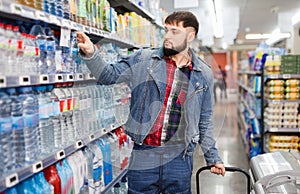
5, 133
17, 127
11, 49
57, 91
55, 116
77, 114
3, 49
46, 128
41, 44
74, 54
50, 50
70, 134
31, 119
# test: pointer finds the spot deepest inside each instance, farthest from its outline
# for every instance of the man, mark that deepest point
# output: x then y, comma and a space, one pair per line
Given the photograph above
171, 107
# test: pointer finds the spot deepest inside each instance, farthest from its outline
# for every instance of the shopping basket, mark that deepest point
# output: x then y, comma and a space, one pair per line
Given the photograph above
228, 169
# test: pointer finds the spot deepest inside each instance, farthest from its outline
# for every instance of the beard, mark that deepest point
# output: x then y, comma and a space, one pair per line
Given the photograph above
175, 50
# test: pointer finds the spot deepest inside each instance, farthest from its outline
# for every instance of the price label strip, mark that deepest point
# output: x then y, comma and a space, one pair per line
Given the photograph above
24, 80
92, 137
286, 76
59, 78
3, 81
54, 20
79, 144
16, 9
60, 155
41, 16
11, 180
44, 79
37, 167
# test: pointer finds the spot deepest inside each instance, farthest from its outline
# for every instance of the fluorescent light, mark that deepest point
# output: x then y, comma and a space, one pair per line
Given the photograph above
215, 8
277, 36
296, 18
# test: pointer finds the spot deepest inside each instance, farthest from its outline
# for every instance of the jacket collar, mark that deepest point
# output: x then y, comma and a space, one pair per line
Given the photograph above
197, 63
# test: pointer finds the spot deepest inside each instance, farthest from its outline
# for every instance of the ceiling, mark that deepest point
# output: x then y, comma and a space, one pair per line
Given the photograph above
239, 16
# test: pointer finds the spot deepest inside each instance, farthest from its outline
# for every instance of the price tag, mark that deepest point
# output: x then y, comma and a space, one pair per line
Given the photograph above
74, 26
44, 79
60, 155
79, 77
122, 122
274, 129
90, 76
274, 76
70, 78
37, 167
16, 9
29, 14
103, 130
59, 78
92, 137
79, 144
3, 81
24, 80
11, 180
66, 23
54, 20
286, 76
41, 16
87, 29
112, 126
65, 36
275, 101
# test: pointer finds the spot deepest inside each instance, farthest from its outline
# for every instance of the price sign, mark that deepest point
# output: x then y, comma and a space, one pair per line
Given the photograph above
11, 180
286, 76
37, 167
41, 16
16, 9
60, 155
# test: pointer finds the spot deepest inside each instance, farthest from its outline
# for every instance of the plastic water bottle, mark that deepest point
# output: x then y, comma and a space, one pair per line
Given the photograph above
41, 44
55, 116
17, 127
31, 119
5, 133
40, 180
29, 57
74, 53
3, 49
66, 9
77, 115
124, 184
11, 49
46, 128
115, 154
107, 163
69, 133
57, 90
50, 51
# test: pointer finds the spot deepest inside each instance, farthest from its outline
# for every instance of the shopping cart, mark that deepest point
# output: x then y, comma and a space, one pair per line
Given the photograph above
228, 169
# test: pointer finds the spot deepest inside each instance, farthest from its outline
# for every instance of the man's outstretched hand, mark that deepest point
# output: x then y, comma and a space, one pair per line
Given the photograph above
85, 44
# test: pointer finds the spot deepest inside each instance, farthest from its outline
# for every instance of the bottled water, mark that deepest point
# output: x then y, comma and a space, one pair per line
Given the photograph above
74, 54
3, 49
124, 184
11, 49
108, 98
115, 154
46, 128
62, 117
41, 44
17, 128
77, 115
69, 133
30, 55
55, 117
50, 51
50, 7
5, 133
66, 9
31, 118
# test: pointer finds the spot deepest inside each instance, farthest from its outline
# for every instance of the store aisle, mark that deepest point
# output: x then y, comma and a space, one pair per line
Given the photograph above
231, 150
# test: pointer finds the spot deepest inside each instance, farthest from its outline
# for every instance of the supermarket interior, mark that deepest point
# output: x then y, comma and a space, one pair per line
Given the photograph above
63, 130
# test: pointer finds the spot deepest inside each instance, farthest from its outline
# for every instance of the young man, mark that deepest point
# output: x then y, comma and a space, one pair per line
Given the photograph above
171, 107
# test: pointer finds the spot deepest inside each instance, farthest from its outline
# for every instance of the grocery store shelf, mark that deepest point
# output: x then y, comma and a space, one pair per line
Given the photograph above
252, 114
250, 90
28, 80
17, 176
21, 12
250, 72
281, 130
282, 76
113, 182
281, 101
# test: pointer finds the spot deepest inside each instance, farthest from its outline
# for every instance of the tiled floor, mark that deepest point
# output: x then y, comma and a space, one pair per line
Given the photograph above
231, 150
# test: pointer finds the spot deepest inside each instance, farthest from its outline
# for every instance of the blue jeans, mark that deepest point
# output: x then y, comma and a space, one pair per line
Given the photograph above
155, 170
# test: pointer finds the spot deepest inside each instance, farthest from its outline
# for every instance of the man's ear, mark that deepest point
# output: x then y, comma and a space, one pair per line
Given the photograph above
191, 36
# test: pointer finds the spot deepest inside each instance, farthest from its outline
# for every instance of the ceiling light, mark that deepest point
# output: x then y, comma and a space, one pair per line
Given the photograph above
215, 8
296, 18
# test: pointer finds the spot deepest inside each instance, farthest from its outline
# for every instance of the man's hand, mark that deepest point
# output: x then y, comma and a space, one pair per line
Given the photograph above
85, 44
218, 169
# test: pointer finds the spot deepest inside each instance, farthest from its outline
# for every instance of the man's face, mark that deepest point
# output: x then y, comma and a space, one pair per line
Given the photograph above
175, 39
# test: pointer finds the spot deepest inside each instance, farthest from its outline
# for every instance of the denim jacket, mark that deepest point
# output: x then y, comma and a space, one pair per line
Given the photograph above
145, 70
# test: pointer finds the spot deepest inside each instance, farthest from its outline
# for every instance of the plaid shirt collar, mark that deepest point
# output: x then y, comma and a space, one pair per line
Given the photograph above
188, 65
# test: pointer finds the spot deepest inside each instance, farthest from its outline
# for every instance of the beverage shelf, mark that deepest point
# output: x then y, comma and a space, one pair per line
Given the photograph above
114, 181
11, 179
251, 112
281, 130
21, 12
282, 76
28, 80
281, 101
250, 90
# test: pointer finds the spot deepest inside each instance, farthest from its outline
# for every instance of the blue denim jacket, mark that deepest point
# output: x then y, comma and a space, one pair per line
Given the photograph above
145, 70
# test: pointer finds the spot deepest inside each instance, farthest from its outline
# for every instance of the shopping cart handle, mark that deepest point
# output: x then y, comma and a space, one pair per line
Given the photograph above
228, 169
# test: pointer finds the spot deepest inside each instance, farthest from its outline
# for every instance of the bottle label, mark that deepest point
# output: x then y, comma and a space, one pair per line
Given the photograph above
43, 111
17, 123
30, 120
70, 103
5, 125
63, 105
56, 108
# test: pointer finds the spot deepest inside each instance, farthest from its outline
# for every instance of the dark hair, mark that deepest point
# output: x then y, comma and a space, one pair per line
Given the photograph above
188, 19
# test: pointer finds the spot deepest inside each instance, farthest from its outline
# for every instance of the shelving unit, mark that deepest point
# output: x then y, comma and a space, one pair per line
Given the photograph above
249, 114
14, 11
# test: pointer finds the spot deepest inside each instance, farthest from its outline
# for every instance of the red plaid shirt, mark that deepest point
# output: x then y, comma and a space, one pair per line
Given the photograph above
154, 138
